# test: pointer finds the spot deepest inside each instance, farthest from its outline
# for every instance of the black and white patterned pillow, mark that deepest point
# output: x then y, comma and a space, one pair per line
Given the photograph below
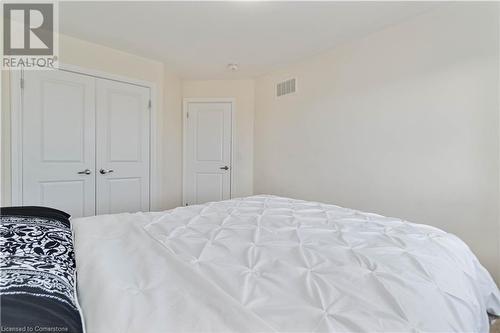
37, 271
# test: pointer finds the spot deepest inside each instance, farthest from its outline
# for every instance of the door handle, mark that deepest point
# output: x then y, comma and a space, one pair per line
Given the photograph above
85, 172
224, 168
104, 171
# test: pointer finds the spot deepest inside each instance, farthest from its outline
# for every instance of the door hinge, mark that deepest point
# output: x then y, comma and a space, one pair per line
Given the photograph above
149, 104
187, 114
21, 83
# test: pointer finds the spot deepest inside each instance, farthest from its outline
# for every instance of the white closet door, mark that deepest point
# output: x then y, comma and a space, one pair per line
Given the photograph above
208, 152
59, 141
122, 127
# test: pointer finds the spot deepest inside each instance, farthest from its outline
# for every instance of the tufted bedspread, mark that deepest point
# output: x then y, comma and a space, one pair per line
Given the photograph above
266, 263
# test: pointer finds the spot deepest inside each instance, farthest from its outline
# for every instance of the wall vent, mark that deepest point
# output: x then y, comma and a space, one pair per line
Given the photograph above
286, 87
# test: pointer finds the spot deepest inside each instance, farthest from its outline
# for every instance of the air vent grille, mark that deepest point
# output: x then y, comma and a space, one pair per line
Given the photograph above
286, 87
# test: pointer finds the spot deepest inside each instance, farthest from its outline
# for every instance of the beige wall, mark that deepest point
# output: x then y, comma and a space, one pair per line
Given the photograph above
404, 122
243, 93
100, 58
172, 159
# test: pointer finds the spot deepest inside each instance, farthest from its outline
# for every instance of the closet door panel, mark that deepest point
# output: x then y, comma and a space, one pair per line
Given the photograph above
59, 141
122, 134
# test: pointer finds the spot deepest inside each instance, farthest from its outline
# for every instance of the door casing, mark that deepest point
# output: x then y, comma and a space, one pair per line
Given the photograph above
16, 90
185, 104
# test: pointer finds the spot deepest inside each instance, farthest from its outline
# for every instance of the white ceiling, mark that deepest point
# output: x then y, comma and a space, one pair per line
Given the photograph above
198, 39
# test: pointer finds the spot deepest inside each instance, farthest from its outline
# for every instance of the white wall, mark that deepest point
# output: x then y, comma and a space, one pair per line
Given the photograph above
404, 122
100, 58
243, 93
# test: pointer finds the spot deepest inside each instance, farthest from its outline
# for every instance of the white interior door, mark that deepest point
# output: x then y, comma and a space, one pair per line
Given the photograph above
208, 152
122, 165
58, 141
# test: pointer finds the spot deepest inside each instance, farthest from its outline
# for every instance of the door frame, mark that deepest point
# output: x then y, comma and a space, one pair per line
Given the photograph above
185, 102
16, 109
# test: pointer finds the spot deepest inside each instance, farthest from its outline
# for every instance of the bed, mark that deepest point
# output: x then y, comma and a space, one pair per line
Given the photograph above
266, 263
37, 271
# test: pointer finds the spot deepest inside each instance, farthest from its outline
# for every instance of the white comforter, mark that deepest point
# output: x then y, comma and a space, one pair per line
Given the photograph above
265, 263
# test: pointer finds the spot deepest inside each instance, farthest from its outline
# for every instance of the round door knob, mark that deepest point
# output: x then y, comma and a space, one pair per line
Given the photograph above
104, 171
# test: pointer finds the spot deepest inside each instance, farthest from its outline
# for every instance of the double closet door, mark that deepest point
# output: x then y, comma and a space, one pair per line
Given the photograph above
85, 143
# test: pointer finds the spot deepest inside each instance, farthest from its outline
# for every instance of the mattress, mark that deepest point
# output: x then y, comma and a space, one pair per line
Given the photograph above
266, 263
